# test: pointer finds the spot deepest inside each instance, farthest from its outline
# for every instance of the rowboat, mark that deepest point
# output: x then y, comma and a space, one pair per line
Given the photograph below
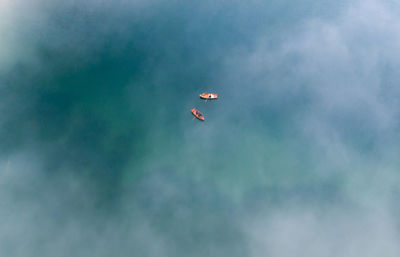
197, 114
209, 96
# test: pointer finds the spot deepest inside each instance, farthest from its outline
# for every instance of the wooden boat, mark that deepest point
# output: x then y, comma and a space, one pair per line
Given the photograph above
209, 96
197, 114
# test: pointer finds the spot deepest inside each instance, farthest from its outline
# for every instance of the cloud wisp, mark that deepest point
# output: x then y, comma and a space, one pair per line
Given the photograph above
297, 158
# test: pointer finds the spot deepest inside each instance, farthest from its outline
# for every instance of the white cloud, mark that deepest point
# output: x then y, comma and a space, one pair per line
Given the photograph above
347, 66
340, 65
306, 232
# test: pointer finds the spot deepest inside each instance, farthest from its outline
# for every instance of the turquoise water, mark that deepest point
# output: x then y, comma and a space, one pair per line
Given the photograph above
101, 156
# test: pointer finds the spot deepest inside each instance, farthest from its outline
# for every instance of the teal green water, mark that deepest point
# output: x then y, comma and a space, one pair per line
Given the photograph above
101, 156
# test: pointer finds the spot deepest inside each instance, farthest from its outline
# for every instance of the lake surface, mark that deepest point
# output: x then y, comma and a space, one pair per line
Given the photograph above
100, 155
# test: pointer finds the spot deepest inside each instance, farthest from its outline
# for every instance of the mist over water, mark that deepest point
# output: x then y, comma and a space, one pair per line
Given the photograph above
100, 155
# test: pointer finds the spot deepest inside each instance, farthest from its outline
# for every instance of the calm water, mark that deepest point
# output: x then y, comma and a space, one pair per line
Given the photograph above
101, 156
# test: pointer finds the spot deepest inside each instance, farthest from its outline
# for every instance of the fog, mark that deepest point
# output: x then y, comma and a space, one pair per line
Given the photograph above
100, 155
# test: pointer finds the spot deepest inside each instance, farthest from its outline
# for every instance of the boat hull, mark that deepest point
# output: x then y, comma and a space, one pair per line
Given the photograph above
209, 96
197, 114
